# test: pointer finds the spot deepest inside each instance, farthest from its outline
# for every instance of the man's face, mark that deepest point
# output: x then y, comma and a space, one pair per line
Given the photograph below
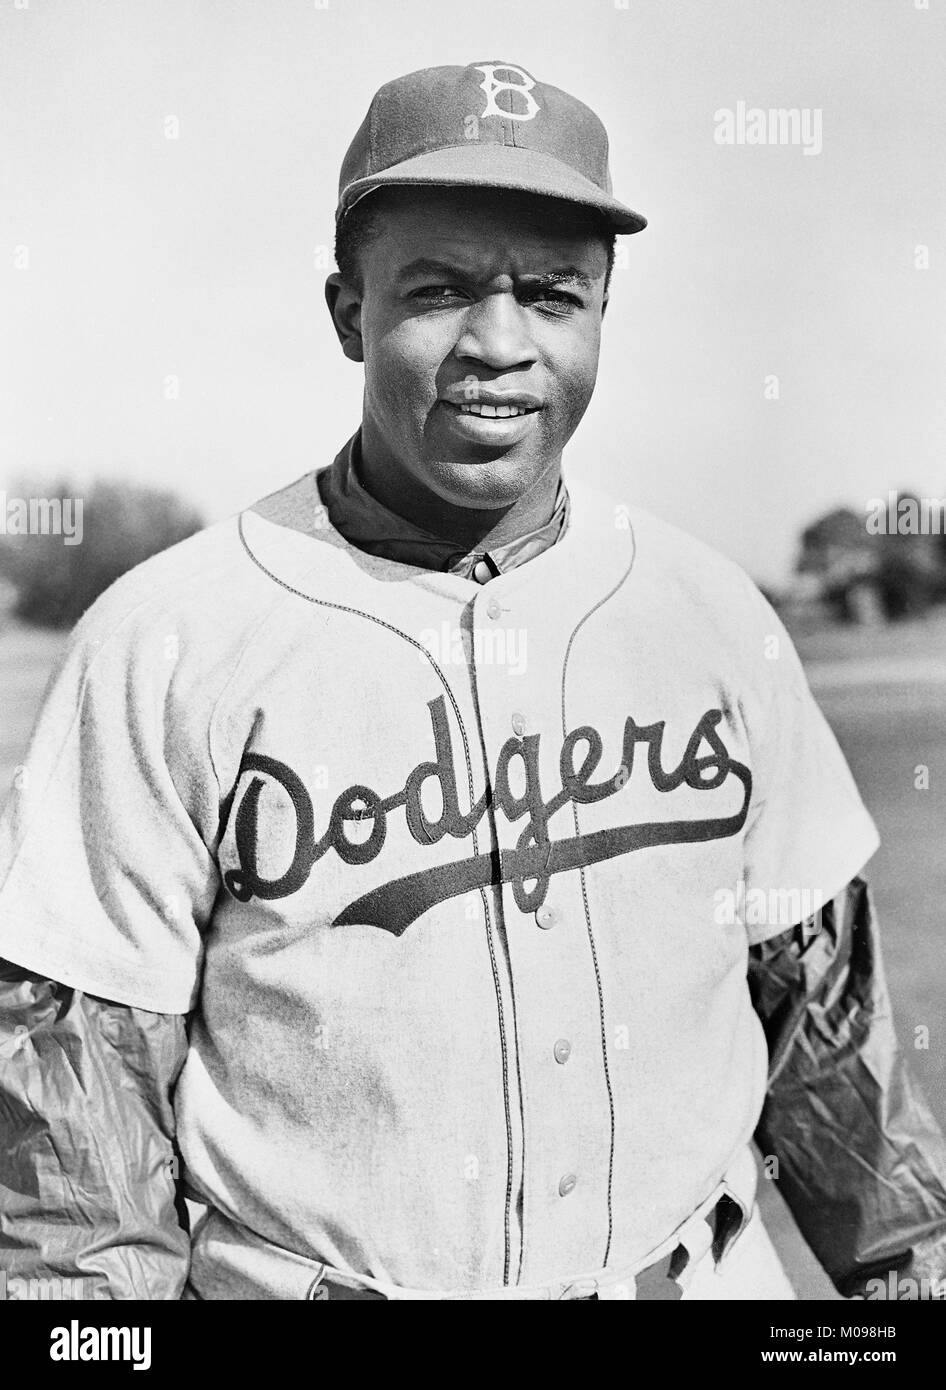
479, 324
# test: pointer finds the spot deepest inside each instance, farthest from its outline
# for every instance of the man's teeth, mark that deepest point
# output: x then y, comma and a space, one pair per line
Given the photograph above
501, 412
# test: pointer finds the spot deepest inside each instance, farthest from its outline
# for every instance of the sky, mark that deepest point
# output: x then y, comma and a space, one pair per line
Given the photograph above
775, 344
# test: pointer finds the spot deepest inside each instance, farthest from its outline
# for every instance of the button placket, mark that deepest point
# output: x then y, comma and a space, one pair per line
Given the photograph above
563, 1116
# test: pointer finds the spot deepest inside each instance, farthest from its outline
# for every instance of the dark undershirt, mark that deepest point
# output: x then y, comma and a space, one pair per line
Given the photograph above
367, 524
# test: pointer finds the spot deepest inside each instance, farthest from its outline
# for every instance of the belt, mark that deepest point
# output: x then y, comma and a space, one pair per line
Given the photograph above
232, 1262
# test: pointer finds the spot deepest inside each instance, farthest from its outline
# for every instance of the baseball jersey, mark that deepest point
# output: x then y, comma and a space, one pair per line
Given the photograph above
457, 880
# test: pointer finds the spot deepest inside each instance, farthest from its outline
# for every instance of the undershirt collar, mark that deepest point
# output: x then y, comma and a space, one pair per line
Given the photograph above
368, 524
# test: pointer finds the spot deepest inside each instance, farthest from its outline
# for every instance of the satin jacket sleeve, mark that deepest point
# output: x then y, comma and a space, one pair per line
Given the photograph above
88, 1170
860, 1159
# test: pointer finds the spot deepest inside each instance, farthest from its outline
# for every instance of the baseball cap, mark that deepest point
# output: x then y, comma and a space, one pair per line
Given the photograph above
488, 125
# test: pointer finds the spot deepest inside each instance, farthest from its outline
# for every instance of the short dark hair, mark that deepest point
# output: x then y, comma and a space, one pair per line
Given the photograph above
360, 224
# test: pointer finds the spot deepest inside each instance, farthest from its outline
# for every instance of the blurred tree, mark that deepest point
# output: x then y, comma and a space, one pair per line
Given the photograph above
911, 573
117, 526
838, 553
892, 564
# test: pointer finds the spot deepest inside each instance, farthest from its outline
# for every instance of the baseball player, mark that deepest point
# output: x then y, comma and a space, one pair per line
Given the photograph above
440, 872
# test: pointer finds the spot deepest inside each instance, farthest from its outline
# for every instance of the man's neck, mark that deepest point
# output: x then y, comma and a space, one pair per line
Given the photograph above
470, 528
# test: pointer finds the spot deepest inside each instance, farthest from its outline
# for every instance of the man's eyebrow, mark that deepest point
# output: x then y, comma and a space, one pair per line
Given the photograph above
426, 266
567, 275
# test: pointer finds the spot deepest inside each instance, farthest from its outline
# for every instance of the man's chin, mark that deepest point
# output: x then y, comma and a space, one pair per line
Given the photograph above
484, 484
488, 464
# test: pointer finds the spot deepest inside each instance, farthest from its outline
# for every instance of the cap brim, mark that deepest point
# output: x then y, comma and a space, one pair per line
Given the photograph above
497, 166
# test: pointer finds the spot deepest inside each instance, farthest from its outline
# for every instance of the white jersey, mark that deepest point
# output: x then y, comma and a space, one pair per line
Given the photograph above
458, 880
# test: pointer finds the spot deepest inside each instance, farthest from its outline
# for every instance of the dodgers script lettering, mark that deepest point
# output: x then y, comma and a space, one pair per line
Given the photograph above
706, 764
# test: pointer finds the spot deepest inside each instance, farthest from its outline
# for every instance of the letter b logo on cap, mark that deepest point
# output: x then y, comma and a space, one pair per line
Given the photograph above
491, 86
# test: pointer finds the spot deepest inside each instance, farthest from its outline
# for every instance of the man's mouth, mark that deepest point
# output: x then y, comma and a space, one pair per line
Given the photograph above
495, 412
487, 401
491, 424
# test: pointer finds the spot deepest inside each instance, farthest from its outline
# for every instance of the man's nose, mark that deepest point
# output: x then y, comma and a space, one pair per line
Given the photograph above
496, 333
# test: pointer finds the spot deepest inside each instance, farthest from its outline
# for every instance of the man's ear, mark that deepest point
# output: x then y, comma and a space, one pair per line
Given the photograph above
344, 305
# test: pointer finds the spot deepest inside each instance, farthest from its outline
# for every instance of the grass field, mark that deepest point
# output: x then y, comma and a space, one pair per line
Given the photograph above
884, 693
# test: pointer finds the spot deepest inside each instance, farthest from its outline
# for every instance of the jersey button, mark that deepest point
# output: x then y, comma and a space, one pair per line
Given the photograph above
567, 1184
562, 1050
546, 917
493, 608
518, 724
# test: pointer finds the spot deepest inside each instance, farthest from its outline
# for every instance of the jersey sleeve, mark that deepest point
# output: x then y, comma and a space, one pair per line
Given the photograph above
106, 877
809, 832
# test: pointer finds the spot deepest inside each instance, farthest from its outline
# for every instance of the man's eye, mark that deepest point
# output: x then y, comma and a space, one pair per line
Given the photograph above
556, 301
559, 300
435, 292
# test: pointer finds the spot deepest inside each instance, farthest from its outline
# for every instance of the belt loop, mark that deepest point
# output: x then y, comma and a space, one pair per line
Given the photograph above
581, 1288
696, 1239
730, 1219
